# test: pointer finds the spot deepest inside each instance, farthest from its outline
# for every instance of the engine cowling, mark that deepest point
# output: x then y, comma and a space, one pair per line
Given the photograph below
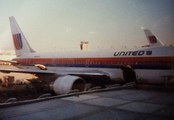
65, 84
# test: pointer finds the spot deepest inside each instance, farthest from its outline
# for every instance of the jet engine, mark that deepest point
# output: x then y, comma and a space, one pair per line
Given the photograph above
65, 84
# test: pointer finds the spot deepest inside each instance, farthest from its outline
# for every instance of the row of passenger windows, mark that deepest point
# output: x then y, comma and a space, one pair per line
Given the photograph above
98, 63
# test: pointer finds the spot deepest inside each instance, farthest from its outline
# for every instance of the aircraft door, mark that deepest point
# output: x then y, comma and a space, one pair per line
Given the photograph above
129, 74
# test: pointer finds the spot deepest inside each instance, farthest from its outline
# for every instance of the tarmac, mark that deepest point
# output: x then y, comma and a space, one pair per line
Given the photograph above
116, 104
143, 103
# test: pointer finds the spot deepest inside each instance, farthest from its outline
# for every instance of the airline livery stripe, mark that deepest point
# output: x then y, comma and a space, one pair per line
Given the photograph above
136, 63
17, 41
152, 39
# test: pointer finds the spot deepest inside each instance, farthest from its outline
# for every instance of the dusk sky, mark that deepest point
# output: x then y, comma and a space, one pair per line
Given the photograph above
52, 25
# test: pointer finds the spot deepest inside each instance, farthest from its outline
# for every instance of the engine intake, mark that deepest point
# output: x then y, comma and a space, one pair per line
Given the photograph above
65, 84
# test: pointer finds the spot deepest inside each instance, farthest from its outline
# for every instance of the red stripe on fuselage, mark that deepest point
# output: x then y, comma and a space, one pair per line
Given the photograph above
99, 61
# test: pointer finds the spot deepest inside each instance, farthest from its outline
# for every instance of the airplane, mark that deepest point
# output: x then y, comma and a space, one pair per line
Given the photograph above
64, 71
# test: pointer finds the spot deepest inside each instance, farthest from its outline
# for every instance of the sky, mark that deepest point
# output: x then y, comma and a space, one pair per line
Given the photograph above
52, 25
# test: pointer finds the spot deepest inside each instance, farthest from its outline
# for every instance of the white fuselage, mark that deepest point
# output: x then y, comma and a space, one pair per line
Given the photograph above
151, 64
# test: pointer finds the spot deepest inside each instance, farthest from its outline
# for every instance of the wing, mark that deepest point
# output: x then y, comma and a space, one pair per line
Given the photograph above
32, 71
9, 61
82, 74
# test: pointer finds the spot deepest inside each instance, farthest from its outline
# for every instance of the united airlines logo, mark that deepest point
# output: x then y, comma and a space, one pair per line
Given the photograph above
148, 52
17, 41
152, 39
132, 53
129, 53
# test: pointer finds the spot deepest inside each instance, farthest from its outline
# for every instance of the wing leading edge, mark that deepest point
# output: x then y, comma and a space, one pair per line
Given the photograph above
35, 71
